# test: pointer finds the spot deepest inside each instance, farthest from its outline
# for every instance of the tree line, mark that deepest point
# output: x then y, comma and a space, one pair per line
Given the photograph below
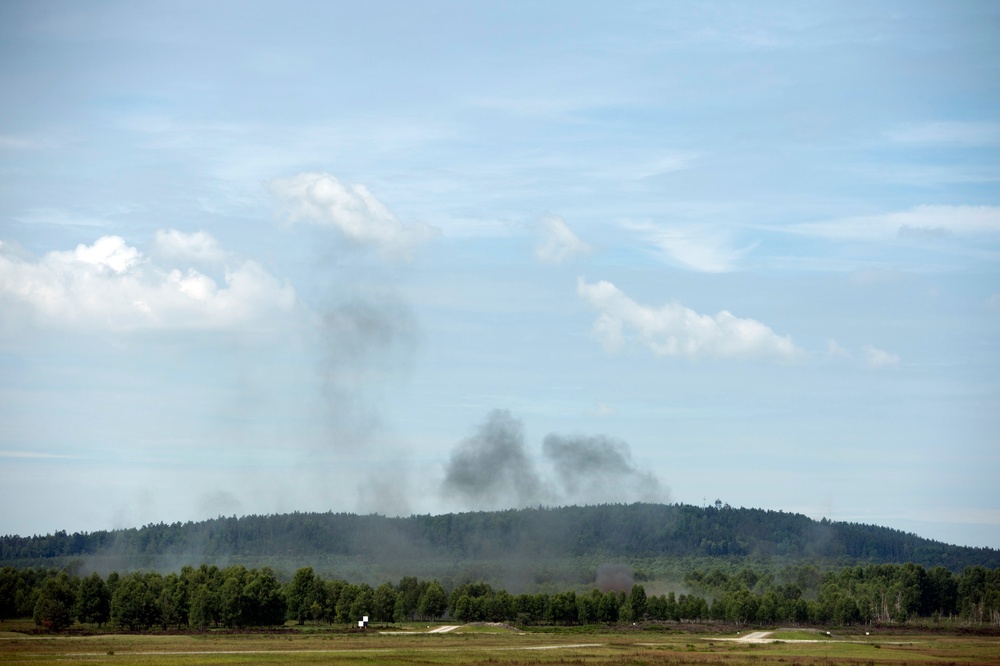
612, 531
871, 594
237, 597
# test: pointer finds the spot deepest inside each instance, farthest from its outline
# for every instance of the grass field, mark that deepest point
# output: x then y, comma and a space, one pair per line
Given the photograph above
413, 645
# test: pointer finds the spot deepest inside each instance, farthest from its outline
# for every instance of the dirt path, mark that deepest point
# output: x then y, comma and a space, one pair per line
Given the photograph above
443, 630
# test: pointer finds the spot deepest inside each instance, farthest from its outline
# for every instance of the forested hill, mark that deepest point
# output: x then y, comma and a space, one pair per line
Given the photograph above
612, 532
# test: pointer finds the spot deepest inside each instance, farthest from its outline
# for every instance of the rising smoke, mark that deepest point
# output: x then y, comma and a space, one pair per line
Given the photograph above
492, 469
365, 342
598, 468
614, 578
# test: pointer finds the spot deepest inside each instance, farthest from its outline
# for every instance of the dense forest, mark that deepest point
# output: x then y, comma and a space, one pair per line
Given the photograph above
236, 597
375, 546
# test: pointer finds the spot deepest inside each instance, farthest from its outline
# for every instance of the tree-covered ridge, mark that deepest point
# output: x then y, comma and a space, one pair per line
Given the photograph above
611, 531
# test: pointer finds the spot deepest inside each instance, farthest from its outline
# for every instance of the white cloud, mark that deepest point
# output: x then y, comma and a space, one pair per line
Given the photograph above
948, 133
321, 199
879, 358
927, 222
700, 248
112, 286
200, 246
833, 348
601, 409
559, 243
675, 330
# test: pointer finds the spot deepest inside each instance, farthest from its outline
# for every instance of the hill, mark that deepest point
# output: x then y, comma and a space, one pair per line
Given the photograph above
563, 543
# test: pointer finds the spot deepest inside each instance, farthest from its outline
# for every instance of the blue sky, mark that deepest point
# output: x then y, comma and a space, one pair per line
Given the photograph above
428, 256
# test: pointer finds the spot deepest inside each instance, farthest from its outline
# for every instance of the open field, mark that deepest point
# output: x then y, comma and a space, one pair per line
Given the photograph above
418, 644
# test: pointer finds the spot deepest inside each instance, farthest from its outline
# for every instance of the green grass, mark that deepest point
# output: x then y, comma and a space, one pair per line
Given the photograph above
801, 635
490, 645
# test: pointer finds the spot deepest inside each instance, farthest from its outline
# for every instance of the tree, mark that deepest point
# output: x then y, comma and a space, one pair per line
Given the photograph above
433, 601
235, 605
93, 603
363, 602
587, 607
409, 592
56, 599
264, 598
344, 602
383, 603
301, 594
563, 608
204, 609
8, 592
134, 604
174, 602
636, 603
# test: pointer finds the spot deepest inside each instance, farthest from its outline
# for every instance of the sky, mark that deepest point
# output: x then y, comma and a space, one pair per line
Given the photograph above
427, 257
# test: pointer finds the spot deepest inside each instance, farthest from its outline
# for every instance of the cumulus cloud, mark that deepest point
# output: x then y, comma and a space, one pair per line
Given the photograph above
675, 330
921, 222
700, 248
559, 243
110, 285
878, 358
197, 247
322, 200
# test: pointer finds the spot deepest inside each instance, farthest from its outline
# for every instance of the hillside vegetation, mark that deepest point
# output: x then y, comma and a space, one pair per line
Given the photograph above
493, 544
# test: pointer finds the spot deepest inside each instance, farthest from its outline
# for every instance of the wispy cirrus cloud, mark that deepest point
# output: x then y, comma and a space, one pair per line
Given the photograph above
702, 248
676, 330
947, 133
36, 455
879, 358
558, 243
322, 200
834, 349
925, 222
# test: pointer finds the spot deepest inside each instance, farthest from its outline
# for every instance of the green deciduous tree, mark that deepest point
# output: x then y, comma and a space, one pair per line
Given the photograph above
93, 603
56, 599
134, 603
433, 602
301, 594
383, 603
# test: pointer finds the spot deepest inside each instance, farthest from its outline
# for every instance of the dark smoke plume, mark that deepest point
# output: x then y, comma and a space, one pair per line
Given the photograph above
491, 467
492, 470
614, 578
598, 468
